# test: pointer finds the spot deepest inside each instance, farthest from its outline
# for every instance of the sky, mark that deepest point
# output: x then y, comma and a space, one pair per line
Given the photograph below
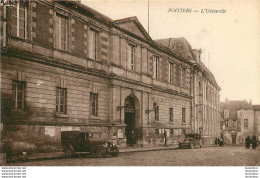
230, 41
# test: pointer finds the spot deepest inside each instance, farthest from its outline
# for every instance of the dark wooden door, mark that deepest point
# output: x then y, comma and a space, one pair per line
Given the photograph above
234, 137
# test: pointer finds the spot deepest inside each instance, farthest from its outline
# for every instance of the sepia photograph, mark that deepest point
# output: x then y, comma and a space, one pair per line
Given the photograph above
135, 83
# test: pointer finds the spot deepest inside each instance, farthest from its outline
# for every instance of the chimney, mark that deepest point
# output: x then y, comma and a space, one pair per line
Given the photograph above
250, 102
199, 54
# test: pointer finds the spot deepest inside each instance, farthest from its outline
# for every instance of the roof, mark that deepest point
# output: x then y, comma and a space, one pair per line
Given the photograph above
234, 105
256, 107
130, 21
178, 45
182, 47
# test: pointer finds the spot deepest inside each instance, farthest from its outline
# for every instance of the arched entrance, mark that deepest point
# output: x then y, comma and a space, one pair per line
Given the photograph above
130, 118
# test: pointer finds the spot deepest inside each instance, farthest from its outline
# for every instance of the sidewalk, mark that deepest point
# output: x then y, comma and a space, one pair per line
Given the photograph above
60, 155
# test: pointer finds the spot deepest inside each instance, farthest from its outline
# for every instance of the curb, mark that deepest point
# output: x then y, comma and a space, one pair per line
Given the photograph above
61, 156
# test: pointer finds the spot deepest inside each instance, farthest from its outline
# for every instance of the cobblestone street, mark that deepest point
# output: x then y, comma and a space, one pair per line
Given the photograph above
211, 156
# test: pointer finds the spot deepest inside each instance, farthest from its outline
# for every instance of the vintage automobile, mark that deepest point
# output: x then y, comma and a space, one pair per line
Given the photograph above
75, 142
191, 140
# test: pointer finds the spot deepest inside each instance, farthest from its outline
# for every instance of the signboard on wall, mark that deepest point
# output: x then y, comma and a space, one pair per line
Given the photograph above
120, 134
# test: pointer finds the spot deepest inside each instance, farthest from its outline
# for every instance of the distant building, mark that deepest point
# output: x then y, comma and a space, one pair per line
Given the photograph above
239, 120
257, 120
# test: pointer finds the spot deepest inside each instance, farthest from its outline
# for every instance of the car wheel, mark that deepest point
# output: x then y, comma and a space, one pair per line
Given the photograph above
68, 153
101, 152
116, 153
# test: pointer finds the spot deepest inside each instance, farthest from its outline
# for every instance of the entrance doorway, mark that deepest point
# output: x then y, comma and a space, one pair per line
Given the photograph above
234, 137
130, 114
130, 127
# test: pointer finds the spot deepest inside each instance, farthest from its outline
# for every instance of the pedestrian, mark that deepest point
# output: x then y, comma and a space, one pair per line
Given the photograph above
248, 142
165, 137
254, 142
221, 142
216, 141
132, 138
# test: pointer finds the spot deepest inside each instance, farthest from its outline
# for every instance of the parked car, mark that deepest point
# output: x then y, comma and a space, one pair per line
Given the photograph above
191, 140
81, 142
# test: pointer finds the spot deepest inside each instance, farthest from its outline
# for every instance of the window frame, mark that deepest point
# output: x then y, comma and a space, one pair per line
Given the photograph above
156, 131
226, 123
132, 57
183, 113
171, 114
16, 93
58, 42
234, 123
94, 43
170, 72
18, 17
60, 90
246, 123
94, 98
183, 77
156, 67
156, 113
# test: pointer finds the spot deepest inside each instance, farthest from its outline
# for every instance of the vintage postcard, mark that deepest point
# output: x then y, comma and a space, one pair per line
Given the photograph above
130, 83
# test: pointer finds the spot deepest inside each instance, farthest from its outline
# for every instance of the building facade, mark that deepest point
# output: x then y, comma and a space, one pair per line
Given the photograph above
66, 67
240, 119
204, 88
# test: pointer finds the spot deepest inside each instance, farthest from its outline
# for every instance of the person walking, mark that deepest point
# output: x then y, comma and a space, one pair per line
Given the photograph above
132, 138
248, 142
216, 141
254, 142
165, 137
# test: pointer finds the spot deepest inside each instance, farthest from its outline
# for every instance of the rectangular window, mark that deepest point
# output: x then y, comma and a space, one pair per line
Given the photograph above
226, 114
61, 97
183, 115
18, 93
156, 67
171, 131
156, 113
183, 77
131, 56
156, 131
234, 123
61, 29
93, 46
19, 15
245, 122
171, 114
94, 104
226, 123
170, 72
